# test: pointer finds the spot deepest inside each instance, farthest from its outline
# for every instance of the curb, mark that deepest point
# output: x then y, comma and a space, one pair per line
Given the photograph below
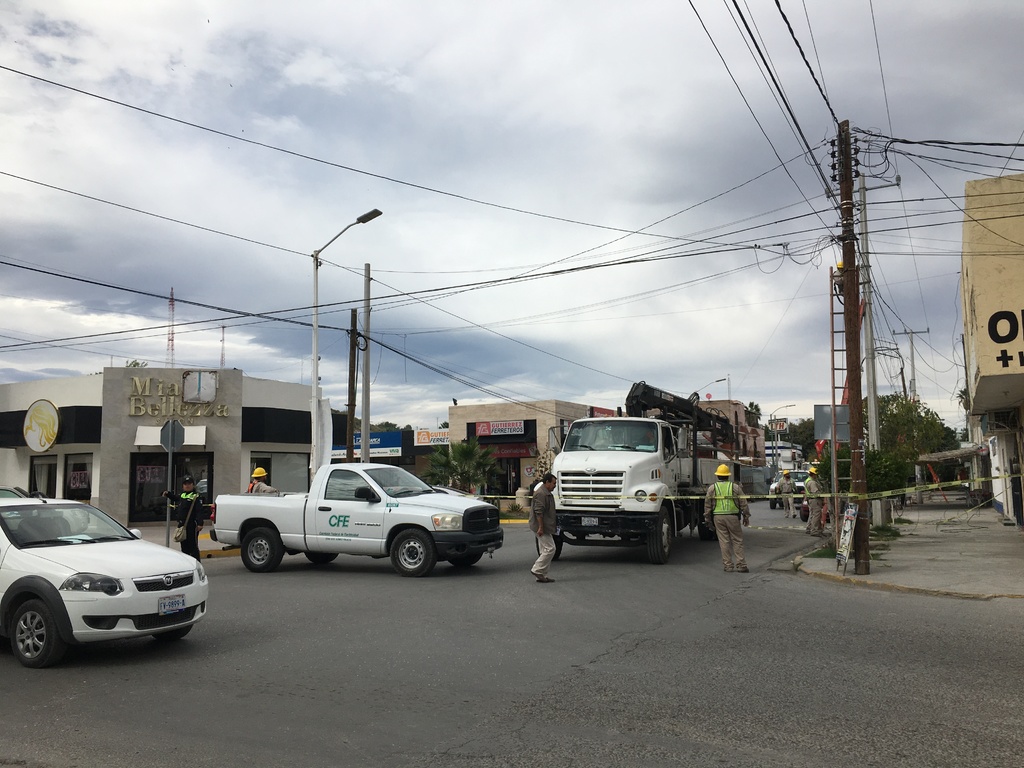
882, 586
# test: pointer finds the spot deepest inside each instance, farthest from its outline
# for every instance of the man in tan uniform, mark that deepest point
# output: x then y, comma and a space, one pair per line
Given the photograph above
725, 504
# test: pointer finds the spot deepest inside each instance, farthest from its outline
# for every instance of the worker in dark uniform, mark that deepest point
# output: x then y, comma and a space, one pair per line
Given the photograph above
188, 511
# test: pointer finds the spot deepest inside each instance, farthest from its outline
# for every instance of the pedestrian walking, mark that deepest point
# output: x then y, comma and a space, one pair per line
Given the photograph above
259, 482
726, 505
815, 501
188, 511
543, 522
786, 488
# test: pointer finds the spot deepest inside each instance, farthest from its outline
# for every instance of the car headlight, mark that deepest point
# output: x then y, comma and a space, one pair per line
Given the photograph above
448, 521
200, 571
92, 582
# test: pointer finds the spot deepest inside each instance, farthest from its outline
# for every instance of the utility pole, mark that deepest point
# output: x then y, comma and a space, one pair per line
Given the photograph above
913, 370
918, 471
851, 318
350, 421
879, 516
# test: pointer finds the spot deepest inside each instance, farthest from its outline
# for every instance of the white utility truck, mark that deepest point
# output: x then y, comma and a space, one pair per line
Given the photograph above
639, 480
377, 510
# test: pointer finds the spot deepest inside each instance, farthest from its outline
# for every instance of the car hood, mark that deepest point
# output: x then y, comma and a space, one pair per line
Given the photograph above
437, 502
121, 559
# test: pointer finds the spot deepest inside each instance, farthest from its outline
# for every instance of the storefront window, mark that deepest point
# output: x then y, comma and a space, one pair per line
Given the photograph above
289, 472
42, 476
78, 476
149, 481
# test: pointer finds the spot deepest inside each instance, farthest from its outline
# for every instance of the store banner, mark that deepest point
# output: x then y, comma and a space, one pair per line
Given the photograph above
430, 437
494, 428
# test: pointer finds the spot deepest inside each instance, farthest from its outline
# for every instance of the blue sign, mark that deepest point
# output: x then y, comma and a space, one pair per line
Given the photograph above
381, 444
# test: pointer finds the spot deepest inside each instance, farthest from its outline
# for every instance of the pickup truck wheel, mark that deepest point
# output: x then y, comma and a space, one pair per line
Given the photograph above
413, 553
262, 550
659, 541
771, 503
321, 558
35, 639
464, 561
558, 545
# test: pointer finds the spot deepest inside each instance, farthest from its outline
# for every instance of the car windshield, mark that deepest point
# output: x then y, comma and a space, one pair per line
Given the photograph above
612, 435
397, 482
796, 475
58, 524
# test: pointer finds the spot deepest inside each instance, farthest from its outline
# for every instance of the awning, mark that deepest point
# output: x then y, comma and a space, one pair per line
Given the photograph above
957, 454
195, 437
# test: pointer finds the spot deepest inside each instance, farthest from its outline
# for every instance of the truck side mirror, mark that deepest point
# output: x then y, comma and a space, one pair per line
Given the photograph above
366, 493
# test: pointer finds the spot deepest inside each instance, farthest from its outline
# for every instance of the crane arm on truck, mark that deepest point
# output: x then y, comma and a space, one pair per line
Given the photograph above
683, 411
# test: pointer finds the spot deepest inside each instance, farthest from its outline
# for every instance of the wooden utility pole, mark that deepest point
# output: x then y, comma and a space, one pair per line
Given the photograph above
350, 432
851, 318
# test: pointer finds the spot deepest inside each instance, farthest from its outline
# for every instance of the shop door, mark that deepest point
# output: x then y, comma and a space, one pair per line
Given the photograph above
149, 481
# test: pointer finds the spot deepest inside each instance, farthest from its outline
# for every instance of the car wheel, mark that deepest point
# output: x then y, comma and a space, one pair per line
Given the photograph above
413, 553
321, 558
771, 503
659, 541
262, 550
464, 561
174, 634
35, 639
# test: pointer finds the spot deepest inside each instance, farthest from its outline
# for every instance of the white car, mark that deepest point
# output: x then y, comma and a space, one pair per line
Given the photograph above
799, 477
71, 574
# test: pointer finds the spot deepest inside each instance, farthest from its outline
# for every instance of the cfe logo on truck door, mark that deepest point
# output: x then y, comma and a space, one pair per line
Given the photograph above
338, 521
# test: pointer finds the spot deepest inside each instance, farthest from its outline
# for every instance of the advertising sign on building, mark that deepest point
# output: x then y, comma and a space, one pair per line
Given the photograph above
381, 444
492, 428
431, 437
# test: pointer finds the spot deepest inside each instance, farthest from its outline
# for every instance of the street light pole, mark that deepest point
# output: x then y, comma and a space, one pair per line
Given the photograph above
775, 436
314, 406
705, 386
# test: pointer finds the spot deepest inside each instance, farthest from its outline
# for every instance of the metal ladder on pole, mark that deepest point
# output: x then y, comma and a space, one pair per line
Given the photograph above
840, 466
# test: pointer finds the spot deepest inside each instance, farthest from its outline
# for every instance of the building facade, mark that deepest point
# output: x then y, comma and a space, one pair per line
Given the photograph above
992, 286
98, 438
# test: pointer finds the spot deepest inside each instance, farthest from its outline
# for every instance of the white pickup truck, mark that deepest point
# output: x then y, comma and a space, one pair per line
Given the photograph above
377, 510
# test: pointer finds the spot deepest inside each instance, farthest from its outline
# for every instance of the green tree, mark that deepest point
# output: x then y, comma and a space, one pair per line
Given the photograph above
908, 428
801, 434
135, 364
384, 426
460, 465
443, 425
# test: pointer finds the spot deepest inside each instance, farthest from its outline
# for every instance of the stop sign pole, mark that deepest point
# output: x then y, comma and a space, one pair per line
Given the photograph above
172, 437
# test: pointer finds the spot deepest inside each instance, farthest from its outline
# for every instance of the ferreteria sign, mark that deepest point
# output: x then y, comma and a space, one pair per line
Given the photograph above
149, 397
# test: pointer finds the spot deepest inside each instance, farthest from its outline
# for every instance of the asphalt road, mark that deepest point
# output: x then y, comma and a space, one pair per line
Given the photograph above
618, 663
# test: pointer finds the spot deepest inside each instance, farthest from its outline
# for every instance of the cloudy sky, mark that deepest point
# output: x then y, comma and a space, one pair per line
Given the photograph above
577, 194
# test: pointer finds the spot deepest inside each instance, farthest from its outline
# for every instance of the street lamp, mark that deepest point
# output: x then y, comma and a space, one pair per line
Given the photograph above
314, 409
716, 381
775, 436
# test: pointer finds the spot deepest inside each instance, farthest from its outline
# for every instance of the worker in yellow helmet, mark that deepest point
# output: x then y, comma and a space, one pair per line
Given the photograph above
259, 482
724, 506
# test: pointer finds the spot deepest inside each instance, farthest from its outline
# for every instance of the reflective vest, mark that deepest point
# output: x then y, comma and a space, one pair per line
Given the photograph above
725, 502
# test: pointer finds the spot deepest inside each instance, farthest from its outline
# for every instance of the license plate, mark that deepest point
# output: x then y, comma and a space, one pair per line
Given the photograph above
170, 604
588, 521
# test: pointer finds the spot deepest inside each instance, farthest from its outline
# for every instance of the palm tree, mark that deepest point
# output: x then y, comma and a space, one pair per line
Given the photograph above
753, 414
460, 465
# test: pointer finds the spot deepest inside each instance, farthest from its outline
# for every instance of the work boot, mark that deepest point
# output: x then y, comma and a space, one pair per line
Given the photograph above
742, 569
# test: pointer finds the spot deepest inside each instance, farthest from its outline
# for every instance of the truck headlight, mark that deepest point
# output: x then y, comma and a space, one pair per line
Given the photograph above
92, 582
449, 521
640, 495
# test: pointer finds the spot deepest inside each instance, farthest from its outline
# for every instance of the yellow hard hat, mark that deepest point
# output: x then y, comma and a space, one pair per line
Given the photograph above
785, 472
723, 470
259, 472
813, 470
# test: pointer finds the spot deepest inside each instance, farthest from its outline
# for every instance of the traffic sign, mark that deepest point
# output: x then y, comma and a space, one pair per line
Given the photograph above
778, 425
172, 435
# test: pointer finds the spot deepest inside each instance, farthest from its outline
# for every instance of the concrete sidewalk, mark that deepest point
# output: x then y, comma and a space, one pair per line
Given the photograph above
157, 533
947, 549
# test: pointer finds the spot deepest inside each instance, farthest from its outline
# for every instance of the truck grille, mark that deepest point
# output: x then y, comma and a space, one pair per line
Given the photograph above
480, 519
584, 486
